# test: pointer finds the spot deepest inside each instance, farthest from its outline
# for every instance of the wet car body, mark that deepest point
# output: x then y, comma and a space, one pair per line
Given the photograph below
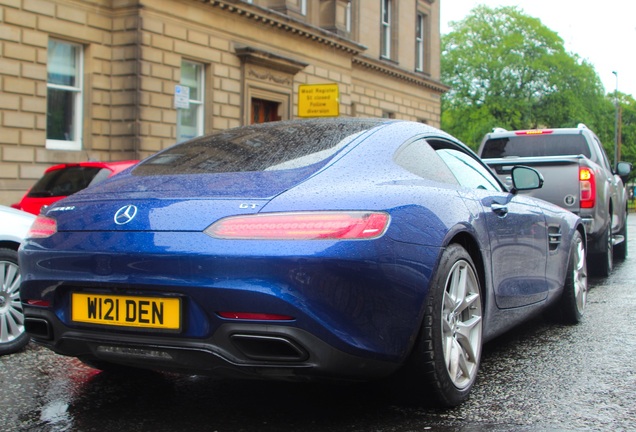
285, 307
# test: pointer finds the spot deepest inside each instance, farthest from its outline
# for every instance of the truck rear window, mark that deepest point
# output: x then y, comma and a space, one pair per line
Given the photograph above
535, 145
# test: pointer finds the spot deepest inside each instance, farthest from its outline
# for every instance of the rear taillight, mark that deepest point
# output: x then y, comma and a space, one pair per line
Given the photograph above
302, 226
42, 227
587, 186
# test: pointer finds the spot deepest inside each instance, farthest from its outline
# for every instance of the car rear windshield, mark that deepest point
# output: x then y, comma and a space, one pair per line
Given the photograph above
263, 147
67, 181
535, 145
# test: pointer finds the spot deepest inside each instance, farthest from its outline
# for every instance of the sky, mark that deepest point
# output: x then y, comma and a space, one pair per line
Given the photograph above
602, 32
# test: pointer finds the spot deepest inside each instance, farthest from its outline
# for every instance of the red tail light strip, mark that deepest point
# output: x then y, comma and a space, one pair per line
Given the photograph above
42, 227
302, 226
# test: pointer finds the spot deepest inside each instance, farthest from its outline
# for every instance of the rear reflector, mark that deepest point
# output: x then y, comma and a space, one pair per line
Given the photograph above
43, 303
42, 227
301, 226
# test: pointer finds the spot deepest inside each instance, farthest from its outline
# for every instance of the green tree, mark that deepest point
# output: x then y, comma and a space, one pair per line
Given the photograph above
627, 128
506, 69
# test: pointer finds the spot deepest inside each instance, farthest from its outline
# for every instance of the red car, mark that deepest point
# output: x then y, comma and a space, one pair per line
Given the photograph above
60, 181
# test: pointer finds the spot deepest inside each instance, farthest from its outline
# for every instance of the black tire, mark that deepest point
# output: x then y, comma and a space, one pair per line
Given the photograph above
602, 263
445, 360
620, 250
12, 335
571, 305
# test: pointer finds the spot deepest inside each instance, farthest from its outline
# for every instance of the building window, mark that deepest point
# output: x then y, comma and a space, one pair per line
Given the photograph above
385, 33
348, 17
64, 109
303, 7
190, 120
420, 25
264, 111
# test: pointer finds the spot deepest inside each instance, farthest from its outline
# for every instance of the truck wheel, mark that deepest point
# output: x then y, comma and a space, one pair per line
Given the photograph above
620, 250
603, 262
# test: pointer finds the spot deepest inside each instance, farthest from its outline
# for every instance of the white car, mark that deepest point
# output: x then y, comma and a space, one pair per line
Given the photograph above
14, 225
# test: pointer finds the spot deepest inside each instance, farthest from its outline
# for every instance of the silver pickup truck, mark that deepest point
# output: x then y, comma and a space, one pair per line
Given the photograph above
578, 176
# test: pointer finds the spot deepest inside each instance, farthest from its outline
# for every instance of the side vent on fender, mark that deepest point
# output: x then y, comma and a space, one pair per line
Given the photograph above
554, 237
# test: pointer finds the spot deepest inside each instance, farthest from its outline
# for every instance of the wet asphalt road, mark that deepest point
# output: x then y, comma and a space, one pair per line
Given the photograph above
540, 377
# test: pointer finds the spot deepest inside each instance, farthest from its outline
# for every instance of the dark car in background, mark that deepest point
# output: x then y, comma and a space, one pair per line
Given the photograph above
60, 181
349, 249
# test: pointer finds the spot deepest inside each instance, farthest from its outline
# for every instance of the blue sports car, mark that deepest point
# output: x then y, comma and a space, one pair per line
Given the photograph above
349, 249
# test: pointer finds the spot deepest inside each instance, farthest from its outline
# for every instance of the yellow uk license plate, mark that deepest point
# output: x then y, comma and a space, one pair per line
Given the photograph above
129, 311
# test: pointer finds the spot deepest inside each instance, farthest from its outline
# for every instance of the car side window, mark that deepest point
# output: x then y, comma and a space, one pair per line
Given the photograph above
469, 172
419, 158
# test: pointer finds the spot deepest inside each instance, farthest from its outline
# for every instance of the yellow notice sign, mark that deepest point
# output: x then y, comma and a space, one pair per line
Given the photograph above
318, 100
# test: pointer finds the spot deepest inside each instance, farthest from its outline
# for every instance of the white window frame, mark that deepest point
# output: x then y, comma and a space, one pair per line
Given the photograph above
348, 17
195, 103
419, 41
78, 106
385, 31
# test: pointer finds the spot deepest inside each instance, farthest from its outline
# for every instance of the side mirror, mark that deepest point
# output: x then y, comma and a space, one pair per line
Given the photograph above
623, 169
525, 178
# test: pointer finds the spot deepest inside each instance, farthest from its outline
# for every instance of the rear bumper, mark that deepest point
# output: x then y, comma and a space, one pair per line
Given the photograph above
234, 350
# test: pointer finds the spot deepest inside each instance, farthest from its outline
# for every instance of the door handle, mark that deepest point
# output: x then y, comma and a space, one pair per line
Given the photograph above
500, 209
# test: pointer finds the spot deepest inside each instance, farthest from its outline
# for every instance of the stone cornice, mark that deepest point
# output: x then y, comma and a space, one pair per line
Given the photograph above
396, 72
269, 60
286, 23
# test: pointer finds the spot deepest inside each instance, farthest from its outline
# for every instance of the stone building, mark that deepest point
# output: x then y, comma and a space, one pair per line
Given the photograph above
121, 79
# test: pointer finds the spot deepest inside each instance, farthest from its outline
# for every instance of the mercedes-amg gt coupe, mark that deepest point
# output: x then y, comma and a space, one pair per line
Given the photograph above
346, 249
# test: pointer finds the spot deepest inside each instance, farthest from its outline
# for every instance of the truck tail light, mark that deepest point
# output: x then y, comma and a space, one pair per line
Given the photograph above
587, 185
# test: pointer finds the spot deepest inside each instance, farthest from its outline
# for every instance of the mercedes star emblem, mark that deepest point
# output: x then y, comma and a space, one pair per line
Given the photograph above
125, 214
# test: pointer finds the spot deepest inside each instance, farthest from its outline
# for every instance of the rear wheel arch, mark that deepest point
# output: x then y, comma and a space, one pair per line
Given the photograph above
444, 361
471, 246
469, 243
